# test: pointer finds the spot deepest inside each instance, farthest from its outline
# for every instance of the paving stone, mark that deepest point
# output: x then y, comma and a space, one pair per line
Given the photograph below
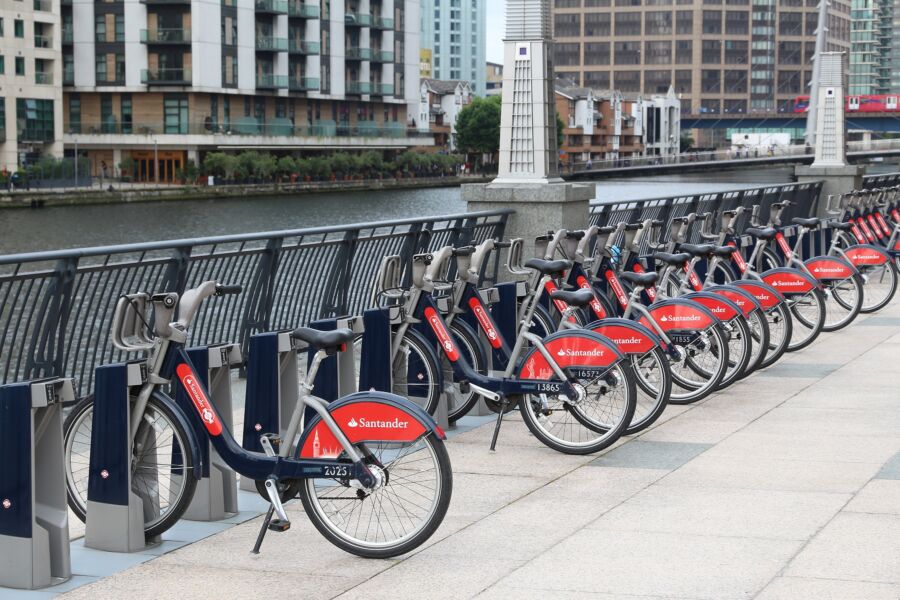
880, 321
792, 588
726, 512
652, 563
854, 546
878, 496
800, 370
651, 455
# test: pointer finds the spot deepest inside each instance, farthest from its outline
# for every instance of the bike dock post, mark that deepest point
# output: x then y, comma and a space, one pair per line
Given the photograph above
272, 389
115, 514
34, 517
216, 495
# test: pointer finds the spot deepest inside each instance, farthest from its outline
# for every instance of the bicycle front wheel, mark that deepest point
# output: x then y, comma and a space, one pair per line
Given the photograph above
403, 510
808, 316
843, 301
880, 285
161, 469
700, 365
593, 422
654, 384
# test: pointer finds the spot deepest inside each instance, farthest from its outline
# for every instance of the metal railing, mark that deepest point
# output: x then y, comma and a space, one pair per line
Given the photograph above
57, 306
271, 43
805, 195
303, 47
359, 87
270, 81
303, 84
166, 36
872, 182
357, 53
166, 76
306, 11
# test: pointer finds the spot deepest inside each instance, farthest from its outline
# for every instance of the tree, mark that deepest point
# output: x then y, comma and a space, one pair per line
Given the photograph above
478, 126
216, 164
687, 142
559, 131
286, 166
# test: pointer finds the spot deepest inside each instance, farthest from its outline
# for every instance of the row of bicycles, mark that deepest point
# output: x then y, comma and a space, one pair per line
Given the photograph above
589, 342
614, 323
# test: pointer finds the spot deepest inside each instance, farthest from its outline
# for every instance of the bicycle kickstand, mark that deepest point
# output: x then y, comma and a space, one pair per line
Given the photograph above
504, 402
263, 530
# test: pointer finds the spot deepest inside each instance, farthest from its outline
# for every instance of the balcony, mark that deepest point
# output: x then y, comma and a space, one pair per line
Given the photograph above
356, 53
165, 36
303, 11
67, 35
268, 81
303, 84
43, 5
383, 23
43, 41
357, 19
43, 78
382, 89
271, 44
383, 56
272, 7
166, 76
69, 75
303, 47
359, 87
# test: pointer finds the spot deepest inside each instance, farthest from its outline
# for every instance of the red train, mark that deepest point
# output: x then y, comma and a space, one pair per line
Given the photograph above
865, 103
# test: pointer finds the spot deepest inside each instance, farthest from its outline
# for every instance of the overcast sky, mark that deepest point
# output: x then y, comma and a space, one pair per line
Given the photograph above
496, 28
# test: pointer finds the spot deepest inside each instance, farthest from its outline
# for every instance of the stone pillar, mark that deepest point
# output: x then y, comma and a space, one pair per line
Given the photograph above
539, 208
830, 164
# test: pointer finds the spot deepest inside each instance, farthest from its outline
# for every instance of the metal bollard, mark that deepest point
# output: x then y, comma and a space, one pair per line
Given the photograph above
216, 495
34, 518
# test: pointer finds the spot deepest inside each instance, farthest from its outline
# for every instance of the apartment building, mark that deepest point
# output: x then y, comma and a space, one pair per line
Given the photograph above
30, 70
493, 79
439, 105
735, 56
454, 31
871, 47
150, 85
609, 125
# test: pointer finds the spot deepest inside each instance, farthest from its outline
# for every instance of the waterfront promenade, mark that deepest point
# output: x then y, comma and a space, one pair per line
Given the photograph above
786, 485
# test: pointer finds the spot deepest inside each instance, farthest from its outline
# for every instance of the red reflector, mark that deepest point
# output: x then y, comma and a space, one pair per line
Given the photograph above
343, 347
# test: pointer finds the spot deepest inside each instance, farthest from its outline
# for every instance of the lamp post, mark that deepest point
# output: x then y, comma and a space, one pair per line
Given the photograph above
156, 160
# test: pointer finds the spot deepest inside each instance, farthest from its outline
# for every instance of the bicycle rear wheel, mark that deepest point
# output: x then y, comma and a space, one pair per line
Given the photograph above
880, 285
590, 424
161, 470
808, 316
654, 384
843, 301
740, 350
399, 514
700, 367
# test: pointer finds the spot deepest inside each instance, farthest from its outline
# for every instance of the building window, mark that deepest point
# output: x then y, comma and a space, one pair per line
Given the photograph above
735, 106
658, 23
788, 82
735, 82
628, 53
120, 68
684, 22
126, 112
711, 81
628, 23
790, 23
74, 113
19, 28
20, 65
709, 105
712, 52
658, 53
1, 26
100, 65
712, 21
684, 52
789, 53
683, 81
596, 25
566, 25
737, 22
2, 65
100, 28
175, 113
564, 55
596, 53
736, 52
657, 81
120, 27
107, 119
628, 81
596, 79
35, 120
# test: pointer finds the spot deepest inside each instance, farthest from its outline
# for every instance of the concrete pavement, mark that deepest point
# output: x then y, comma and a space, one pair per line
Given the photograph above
786, 485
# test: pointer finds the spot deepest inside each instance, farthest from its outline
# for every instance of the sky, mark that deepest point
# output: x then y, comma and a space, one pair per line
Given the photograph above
496, 27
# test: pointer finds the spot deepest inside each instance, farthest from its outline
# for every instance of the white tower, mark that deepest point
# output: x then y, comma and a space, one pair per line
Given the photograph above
829, 98
528, 152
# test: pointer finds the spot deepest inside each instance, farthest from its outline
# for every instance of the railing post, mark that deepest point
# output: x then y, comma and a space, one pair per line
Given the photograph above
339, 281
260, 295
175, 278
48, 342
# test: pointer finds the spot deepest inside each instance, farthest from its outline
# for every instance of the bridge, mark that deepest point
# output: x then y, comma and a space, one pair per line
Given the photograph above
704, 161
876, 122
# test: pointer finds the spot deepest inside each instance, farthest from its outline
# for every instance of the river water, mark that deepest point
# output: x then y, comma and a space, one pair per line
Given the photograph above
97, 225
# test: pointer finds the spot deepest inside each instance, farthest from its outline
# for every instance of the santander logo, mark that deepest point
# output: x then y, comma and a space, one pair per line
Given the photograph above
198, 398
718, 310
485, 322
363, 423
617, 288
595, 304
679, 318
628, 341
437, 326
782, 283
576, 352
829, 270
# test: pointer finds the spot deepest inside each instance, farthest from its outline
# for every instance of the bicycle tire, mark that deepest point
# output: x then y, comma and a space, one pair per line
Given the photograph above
425, 388
646, 413
78, 503
739, 353
874, 277
608, 433
759, 331
472, 351
692, 392
805, 330
327, 528
851, 306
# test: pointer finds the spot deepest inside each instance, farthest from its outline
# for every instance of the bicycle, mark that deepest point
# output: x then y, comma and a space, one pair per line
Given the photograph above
354, 455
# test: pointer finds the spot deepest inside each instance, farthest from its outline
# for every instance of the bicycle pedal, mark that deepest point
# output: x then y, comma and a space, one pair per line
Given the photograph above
279, 525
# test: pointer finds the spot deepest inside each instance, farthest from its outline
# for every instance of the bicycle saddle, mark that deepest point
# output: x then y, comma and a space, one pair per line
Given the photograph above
673, 259
548, 267
811, 223
574, 298
697, 249
839, 225
724, 251
640, 279
324, 340
764, 233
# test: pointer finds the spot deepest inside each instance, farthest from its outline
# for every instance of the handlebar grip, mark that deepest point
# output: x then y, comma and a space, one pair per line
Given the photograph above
464, 251
575, 234
502, 244
228, 290
634, 226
